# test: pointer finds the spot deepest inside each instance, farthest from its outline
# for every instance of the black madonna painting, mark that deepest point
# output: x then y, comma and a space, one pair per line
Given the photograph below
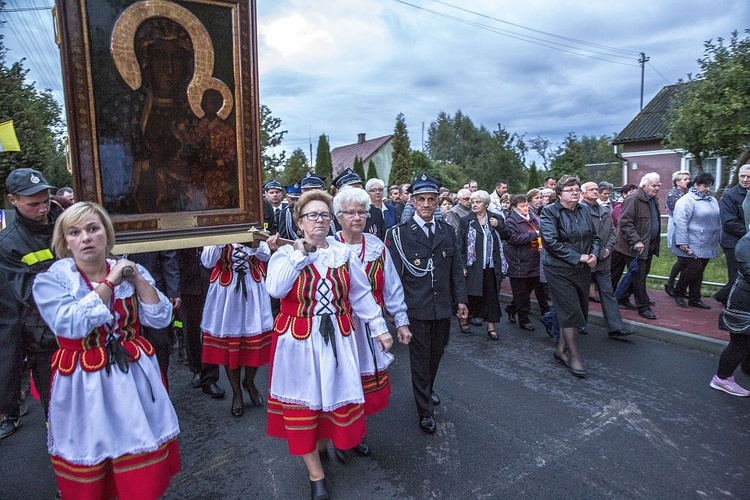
171, 108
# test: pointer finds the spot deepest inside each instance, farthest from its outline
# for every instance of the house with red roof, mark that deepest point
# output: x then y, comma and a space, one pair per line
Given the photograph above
379, 150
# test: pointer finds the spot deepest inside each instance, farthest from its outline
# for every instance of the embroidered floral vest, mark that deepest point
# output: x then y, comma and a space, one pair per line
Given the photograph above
298, 307
91, 352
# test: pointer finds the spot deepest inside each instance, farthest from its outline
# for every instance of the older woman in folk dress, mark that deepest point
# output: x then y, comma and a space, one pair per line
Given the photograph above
351, 207
112, 427
315, 386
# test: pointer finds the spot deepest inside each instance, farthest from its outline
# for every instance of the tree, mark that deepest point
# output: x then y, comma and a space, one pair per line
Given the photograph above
295, 168
359, 167
37, 122
710, 114
568, 159
540, 145
323, 162
534, 180
270, 137
400, 168
372, 171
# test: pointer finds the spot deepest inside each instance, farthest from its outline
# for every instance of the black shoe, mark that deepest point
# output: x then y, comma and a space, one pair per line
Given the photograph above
256, 399
342, 456
362, 449
238, 412
427, 424
476, 321
435, 399
627, 304
622, 332
196, 381
647, 313
213, 390
526, 325
9, 425
699, 304
511, 314
680, 301
318, 490
578, 373
582, 330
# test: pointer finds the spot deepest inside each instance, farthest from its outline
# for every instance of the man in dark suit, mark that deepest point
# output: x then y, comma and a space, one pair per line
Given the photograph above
425, 253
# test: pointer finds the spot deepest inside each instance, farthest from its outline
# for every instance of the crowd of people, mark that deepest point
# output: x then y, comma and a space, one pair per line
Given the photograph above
314, 300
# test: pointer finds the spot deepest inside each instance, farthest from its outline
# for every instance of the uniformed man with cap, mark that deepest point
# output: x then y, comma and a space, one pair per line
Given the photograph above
311, 181
287, 225
425, 252
375, 223
272, 204
24, 253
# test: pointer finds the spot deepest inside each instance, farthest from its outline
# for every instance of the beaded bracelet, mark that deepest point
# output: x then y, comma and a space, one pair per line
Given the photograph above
108, 283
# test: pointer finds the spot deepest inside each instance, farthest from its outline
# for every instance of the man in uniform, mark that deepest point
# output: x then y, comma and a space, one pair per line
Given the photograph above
24, 253
426, 255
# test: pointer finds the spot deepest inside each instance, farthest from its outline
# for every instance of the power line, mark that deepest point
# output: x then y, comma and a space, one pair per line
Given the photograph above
526, 38
657, 72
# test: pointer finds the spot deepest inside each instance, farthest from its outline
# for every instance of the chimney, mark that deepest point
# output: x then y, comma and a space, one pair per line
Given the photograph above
360, 138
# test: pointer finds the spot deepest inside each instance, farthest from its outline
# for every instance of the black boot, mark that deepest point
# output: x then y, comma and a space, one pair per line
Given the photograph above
318, 490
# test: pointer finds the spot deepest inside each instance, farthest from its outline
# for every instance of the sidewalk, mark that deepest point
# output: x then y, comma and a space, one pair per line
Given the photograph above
689, 327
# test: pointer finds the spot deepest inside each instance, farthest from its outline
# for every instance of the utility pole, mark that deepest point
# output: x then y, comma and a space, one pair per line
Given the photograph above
422, 148
642, 61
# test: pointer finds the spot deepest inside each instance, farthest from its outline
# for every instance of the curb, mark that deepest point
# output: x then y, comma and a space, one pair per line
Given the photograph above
676, 337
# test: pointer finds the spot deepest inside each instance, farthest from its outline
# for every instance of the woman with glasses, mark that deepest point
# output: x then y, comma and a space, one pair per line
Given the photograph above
571, 249
315, 386
482, 255
351, 206
376, 189
697, 229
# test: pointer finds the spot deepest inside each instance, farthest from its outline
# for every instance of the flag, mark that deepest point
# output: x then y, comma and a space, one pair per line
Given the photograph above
8, 139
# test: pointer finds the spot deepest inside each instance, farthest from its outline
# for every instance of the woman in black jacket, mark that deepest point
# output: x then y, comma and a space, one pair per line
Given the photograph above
481, 254
522, 254
571, 251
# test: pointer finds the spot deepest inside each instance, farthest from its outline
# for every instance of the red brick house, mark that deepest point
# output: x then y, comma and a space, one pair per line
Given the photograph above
643, 152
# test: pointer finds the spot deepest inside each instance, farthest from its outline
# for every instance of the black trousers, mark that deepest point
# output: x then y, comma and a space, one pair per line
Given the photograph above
522, 288
191, 313
160, 339
620, 261
723, 294
737, 351
429, 338
691, 277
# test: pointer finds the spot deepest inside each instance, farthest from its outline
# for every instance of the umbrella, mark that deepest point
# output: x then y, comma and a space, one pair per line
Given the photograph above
624, 284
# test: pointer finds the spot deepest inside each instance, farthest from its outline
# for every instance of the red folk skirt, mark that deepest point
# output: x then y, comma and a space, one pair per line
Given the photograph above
377, 392
303, 427
234, 352
144, 476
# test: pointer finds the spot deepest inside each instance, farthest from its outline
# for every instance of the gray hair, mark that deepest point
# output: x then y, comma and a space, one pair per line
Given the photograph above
650, 177
605, 185
350, 194
372, 182
746, 166
481, 195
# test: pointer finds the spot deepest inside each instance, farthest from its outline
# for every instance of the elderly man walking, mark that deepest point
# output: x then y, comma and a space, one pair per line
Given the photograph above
638, 237
733, 227
461, 209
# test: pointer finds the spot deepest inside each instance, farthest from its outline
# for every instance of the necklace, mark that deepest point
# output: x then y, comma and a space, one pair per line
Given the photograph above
340, 237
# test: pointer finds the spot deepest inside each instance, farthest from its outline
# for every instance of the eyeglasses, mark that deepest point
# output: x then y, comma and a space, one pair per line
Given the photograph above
352, 213
571, 190
376, 190
315, 216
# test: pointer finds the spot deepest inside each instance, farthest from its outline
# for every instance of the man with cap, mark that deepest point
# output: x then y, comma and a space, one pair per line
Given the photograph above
375, 223
24, 253
426, 255
287, 226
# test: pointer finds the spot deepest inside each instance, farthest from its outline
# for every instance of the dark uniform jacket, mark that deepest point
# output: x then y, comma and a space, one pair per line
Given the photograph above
436, 294
475, 272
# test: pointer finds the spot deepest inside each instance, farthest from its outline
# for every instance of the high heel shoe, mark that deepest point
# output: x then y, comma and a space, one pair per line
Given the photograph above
256, 399
511, 314
318, 490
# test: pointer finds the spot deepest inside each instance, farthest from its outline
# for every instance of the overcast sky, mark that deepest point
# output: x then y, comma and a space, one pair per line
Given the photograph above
341, 67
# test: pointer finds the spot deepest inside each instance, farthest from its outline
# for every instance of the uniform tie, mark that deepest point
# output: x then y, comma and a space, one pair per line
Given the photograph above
430, 234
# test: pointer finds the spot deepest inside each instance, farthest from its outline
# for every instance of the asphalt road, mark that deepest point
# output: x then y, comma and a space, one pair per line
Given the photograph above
512, 424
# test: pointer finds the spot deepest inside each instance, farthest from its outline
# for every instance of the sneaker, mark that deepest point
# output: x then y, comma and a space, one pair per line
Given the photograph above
8, 425
729, 386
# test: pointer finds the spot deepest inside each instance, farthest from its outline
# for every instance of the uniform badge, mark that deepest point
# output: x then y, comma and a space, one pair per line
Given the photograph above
417, 262
444, 256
